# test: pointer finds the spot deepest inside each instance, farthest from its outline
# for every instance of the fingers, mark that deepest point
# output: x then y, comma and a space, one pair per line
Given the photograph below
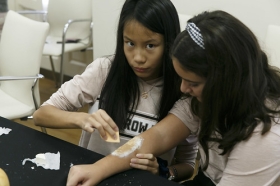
102, 122
74, 178
80, 175
145, 162
88, 128
146, 156
108, 124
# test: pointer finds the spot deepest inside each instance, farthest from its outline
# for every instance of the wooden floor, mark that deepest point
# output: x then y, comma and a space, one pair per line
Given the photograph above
47, 87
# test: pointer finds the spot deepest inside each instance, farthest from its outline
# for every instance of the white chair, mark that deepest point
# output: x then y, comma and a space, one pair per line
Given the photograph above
70, 29
21, 48
70, 21
183, 19
272, 44
28, 7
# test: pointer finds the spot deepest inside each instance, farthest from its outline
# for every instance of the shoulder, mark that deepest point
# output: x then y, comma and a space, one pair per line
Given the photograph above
98, 69
182, 110
102, 62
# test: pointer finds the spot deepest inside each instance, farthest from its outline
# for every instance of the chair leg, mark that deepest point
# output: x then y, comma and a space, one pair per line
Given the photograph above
61, 68
43, 129
53, 70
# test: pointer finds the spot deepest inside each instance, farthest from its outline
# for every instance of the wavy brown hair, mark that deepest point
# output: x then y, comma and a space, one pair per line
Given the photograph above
239, 80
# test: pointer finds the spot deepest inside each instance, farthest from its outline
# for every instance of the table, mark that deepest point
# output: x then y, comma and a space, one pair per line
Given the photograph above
24, 142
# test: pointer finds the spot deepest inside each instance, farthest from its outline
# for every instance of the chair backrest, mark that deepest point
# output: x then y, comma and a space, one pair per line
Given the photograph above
30, 4
183, 18
21, 48
272, 44
60, 11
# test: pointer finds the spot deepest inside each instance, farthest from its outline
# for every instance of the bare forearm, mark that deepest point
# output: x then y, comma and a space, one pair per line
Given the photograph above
181, 171
52, 117
150, 142
157, 140
92, 174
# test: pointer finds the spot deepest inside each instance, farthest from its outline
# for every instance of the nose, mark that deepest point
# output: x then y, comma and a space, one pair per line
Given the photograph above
185, 87
139, 56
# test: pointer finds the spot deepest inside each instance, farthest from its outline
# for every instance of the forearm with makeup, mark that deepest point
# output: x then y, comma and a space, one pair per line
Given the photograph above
52, 117
170, 131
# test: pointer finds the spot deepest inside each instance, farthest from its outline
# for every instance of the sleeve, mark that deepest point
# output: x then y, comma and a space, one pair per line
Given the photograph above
186, 151
82, 89
255, 161
182, 110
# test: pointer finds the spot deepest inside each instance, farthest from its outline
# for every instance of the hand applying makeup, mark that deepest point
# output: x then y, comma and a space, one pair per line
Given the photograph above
57, 118
105, 125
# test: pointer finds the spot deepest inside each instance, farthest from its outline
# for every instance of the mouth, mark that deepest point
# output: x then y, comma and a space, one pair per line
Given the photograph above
140, 69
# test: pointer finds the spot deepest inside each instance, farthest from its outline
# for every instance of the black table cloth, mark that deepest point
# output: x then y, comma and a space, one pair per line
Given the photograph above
23, 142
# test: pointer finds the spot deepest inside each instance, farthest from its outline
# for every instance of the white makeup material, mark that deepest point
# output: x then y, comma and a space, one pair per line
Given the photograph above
4, 130
129, 147
47, 160
40, 159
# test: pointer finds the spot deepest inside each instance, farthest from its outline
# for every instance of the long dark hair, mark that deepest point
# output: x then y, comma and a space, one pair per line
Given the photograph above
239, 80
120, 93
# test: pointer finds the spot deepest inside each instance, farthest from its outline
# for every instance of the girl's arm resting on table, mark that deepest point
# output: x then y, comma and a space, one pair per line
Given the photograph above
52, 117
160, 138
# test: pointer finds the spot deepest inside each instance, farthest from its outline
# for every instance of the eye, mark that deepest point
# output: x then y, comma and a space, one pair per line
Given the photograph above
150, 46
194, 84
129, 43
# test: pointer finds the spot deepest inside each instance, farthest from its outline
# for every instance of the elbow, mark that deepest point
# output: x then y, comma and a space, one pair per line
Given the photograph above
36, 117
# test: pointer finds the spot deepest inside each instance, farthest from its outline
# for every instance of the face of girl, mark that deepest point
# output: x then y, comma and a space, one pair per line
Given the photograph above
192, 84
143, 50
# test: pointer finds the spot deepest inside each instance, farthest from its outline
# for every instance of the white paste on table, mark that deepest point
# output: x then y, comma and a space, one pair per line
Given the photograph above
41, 159
47, 160
4, 130
129, 147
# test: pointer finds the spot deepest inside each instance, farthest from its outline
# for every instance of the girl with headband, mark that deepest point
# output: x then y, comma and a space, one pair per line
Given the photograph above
232, 103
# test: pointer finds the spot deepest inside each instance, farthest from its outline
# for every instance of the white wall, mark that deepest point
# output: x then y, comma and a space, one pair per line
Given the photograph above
256, 14
105, 18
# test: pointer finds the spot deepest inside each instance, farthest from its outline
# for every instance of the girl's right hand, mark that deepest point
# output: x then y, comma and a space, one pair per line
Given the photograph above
101, 121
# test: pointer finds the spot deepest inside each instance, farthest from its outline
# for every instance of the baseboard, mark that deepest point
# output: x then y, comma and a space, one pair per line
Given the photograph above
49, 75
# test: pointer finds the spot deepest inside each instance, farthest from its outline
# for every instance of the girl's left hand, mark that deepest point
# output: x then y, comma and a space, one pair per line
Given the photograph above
145, 162
82, 175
